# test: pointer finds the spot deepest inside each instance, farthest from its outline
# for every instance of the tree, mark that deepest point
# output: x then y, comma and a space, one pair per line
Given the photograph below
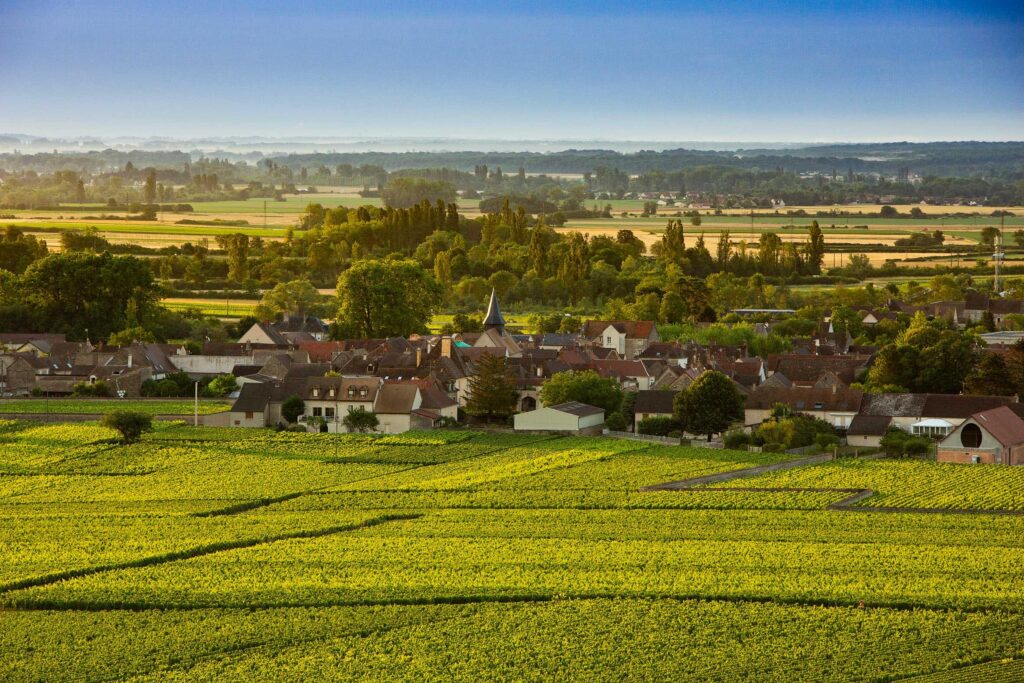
492, 391
408, 192
815, 249
130, 424
292, 407
222, 385
385, 299
75, 292
584, 387
149, 190
360, 420
295, 297
709, 405
237, 246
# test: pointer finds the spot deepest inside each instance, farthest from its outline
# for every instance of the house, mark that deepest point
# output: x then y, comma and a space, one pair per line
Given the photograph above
866, 431
13, 341
264, 333
835, 405
558, 342
631, 374
572, 417
806, 371
653, 403
395, 407
296, 326
994, 437
328, 399
628, 338
250, 408
931, 415
18, 373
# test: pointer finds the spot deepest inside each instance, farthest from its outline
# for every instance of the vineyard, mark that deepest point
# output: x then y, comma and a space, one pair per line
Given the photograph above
219, 554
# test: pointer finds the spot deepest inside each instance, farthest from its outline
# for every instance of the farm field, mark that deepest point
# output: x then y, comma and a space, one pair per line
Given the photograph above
220, 554
221, 308
100, 406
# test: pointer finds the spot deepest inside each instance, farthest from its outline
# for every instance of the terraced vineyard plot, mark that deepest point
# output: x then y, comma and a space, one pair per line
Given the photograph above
632, 640
67, 543
250, 555
909, 484
529, 556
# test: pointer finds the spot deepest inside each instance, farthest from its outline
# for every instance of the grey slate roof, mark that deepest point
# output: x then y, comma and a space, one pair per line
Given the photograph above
576, 408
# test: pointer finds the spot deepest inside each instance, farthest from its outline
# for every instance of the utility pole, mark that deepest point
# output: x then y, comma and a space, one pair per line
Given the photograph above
195, 417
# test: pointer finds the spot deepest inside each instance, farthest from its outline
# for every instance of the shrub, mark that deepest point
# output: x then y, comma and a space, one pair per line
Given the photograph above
98, 389
737, 439
292, 407
825, 441
658, 426
360, 420
616, 422
892, 442
131, 425
916, 446
773, 448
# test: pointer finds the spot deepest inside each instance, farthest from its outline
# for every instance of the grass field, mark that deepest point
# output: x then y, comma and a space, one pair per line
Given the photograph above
219, 554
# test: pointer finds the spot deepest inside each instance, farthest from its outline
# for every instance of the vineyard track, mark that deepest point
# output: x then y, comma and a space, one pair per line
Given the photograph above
684, 484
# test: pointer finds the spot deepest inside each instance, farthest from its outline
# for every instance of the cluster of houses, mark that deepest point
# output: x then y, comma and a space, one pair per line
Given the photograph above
423, 381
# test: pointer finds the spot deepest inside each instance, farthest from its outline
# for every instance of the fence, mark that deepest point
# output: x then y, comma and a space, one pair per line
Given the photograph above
667, 440
673, 441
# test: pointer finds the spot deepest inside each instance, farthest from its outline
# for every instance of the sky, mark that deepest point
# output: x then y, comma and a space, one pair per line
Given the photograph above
730, 71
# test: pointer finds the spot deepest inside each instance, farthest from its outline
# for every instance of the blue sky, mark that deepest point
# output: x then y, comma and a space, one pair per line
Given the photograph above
765, 71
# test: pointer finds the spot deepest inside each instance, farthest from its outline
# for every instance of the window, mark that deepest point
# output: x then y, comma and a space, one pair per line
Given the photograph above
331, 392
976, 459
608, 341
351, 392
248, 415
316, 392
318, 412
970, 436
362, 391
328, 412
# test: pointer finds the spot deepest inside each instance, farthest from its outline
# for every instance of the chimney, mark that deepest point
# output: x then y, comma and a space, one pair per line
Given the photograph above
419, 356
446, 347
129, 360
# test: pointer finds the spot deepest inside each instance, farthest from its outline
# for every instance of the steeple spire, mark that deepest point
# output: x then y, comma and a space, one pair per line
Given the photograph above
493, 319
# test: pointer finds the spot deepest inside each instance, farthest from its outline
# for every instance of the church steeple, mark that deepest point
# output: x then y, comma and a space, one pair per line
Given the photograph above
493, 319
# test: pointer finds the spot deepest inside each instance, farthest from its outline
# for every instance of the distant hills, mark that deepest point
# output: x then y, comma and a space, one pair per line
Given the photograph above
23, 152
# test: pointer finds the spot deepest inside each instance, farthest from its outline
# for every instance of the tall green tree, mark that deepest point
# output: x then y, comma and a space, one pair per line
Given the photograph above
385, 299
815, 249
585, 387
295, 297
711, 404
492, 390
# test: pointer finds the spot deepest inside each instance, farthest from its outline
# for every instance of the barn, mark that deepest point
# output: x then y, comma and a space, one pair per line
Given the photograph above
572, 417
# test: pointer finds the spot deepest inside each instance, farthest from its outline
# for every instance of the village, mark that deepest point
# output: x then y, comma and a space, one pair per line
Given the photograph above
425, 381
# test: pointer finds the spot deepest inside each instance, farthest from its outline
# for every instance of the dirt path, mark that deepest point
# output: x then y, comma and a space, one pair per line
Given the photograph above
737, 474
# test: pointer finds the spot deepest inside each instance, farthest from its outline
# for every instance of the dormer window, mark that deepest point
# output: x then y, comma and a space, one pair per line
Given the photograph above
331, 392
351, 392
316, 392
363, 391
